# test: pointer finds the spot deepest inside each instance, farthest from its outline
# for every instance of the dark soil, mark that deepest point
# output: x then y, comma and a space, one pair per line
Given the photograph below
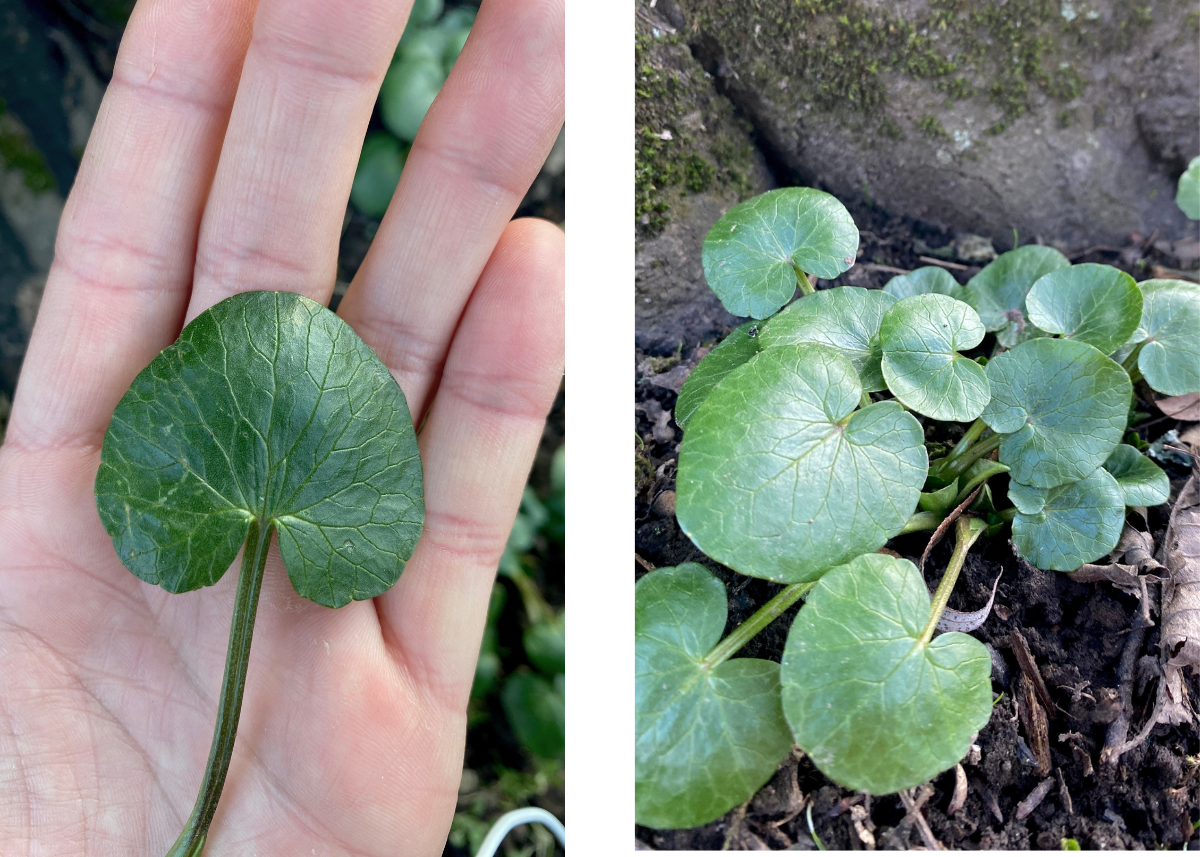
1076, 633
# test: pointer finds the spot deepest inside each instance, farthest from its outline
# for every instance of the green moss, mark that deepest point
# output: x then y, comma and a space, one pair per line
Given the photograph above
888, 128
932, 127
834, 53
17, 152
697, 173
668, 157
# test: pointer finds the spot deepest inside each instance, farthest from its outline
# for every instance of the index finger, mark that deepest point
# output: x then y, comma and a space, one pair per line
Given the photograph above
122, 269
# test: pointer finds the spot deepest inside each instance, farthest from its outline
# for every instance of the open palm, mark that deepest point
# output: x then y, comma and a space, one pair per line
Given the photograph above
221, 162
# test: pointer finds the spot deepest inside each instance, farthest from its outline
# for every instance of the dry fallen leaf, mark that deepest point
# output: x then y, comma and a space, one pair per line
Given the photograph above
1185, 407
1181, 600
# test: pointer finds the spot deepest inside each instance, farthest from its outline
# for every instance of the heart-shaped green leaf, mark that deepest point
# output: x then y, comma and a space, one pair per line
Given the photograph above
1187, 194
875, 708
845, 318
1170, 355
920, 338
752, 254
735, 349
1096, 304
706, 738
267, 407
930, 280
779, 476
998, 291
1142, 481
1061, 406
1062, 528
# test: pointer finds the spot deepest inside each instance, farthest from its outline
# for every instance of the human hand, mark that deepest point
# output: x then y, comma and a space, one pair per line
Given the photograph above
220, 162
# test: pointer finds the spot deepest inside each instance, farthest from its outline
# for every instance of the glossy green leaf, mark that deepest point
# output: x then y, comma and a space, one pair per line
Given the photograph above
1096, 304
1170, 355
735, 349
706, 739
930, 280
546, 645
1061, 406
779, 476
845, 318
536, 710
267, 407
751, 254
998, 291
876, 709
920, 338
1142, 481
1062, 528
1187, 196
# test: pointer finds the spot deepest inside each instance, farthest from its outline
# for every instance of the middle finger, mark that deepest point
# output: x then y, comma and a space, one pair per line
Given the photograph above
274, 215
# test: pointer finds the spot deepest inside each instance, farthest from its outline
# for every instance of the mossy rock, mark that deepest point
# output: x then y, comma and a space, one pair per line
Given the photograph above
695, 159
1064, 118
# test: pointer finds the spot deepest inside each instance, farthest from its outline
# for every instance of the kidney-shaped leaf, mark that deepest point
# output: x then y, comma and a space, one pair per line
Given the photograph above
267, 407
998, 291
920, 338
1170, 356
930, 280
752, 253
876, 709
1062, 406
845, 318
740, 345
779, 476
1062, 528
1096, 304
1187, 193
706, 739
1142, 481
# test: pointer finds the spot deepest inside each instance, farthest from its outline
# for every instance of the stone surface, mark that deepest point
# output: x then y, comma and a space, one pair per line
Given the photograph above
695, 160
1068, 119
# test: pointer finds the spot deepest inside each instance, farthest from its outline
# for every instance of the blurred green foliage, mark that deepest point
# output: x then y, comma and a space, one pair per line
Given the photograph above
519, 680
428, 49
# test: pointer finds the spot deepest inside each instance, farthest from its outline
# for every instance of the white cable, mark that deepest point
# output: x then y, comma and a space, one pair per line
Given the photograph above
505, 823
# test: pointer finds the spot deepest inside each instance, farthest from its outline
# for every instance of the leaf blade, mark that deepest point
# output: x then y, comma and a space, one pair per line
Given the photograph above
282, 414
749, 253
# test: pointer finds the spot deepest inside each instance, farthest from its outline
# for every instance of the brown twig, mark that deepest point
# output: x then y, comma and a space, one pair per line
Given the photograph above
1026, 807
643, 563
930, 260
1030, 668
871, 266
945, 525
912, 806
1114, 739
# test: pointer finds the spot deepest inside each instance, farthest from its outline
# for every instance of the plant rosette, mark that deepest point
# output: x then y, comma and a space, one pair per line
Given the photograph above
805, 451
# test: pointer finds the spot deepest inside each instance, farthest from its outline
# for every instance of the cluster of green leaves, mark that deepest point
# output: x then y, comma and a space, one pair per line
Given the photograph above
428, 49
529, 680
792, 470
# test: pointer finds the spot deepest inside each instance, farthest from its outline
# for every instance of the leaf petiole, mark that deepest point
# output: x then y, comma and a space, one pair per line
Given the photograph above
948, 469
802, 280
972, 434
764, 616
254, 559
967, 531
